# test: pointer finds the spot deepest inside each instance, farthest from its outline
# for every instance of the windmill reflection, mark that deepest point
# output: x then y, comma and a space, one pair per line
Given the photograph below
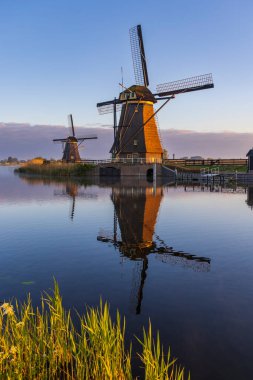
135, 213
249, 199
65, 188
73, 190
70, 190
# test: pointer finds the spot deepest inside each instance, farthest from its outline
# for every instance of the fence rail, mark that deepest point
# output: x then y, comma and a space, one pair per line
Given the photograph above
179, 162
208, 162
123, 161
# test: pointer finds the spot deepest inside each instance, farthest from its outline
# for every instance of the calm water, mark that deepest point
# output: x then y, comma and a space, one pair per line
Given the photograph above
108, 240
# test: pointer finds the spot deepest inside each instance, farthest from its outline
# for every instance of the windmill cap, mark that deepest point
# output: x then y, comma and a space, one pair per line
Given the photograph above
142, 93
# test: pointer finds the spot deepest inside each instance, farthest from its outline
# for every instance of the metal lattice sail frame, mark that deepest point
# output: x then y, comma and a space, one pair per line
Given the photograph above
199, 82
78, 139
138, 55
108, 108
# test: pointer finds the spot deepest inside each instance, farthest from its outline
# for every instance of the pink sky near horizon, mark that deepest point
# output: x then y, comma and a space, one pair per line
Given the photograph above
25, 141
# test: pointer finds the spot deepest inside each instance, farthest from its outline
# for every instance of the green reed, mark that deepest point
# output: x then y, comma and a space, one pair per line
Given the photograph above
44, 343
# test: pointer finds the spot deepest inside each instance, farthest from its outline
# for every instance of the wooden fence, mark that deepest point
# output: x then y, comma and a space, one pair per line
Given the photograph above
209, 162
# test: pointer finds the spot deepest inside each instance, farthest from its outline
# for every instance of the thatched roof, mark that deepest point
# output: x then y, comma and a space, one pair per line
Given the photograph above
250, 152
141, 92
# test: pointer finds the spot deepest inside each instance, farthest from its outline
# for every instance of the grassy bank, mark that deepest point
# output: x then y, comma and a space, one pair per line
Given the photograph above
43, 343
55, 169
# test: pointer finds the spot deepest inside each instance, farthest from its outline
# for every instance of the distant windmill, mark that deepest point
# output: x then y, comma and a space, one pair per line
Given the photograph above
136, 135
71, 144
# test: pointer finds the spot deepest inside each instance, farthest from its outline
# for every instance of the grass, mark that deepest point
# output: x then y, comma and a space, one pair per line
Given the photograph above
55, 169
44, 343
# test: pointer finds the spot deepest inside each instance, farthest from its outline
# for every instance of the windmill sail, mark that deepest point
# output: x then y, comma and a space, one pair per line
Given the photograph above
71, 124
138, 55
199, 82
88, 137
108, 107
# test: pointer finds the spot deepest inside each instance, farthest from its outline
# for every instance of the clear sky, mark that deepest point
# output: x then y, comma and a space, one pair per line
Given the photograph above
64, 56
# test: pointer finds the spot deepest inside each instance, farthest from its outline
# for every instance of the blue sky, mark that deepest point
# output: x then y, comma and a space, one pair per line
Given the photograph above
64, 56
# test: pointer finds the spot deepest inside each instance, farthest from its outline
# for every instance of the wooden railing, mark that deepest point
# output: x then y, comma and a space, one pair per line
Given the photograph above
132, 160
209, 162
175, 162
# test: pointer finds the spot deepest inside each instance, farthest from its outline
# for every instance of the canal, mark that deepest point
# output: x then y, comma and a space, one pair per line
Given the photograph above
178, 255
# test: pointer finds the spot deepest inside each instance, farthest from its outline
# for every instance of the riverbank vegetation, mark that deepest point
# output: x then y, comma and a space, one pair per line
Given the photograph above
43, 343
10, 161
56, 169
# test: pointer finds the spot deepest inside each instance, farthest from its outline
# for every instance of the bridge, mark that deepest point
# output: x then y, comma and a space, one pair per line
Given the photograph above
139, 167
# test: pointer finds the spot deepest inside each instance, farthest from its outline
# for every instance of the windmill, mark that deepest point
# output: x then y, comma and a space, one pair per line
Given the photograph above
136, 135
72, 143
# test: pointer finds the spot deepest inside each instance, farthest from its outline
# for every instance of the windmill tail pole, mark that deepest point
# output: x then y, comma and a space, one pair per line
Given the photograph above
114, 118
127, 89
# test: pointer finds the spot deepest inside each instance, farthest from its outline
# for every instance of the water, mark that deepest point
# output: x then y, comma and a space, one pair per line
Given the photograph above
108, 240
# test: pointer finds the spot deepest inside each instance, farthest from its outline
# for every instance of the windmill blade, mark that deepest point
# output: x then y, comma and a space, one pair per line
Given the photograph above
200, 82
138, 55
71, 124
108, 107
60, 140
87, 138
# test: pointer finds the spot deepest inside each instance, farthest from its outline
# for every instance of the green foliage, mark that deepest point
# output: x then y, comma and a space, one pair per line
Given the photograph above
81, 169
158, 366
44, 343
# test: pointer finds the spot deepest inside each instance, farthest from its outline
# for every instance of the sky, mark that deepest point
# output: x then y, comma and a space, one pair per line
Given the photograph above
64, 56
25, 142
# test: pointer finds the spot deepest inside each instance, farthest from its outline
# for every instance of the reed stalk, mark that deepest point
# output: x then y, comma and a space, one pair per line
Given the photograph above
55, 169
43, 343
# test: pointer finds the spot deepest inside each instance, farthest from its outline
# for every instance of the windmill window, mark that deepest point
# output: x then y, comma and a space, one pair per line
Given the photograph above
135, 142
123, 96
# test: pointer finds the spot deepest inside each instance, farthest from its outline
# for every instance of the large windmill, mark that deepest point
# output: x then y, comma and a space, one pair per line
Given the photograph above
136, 135
72, 143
